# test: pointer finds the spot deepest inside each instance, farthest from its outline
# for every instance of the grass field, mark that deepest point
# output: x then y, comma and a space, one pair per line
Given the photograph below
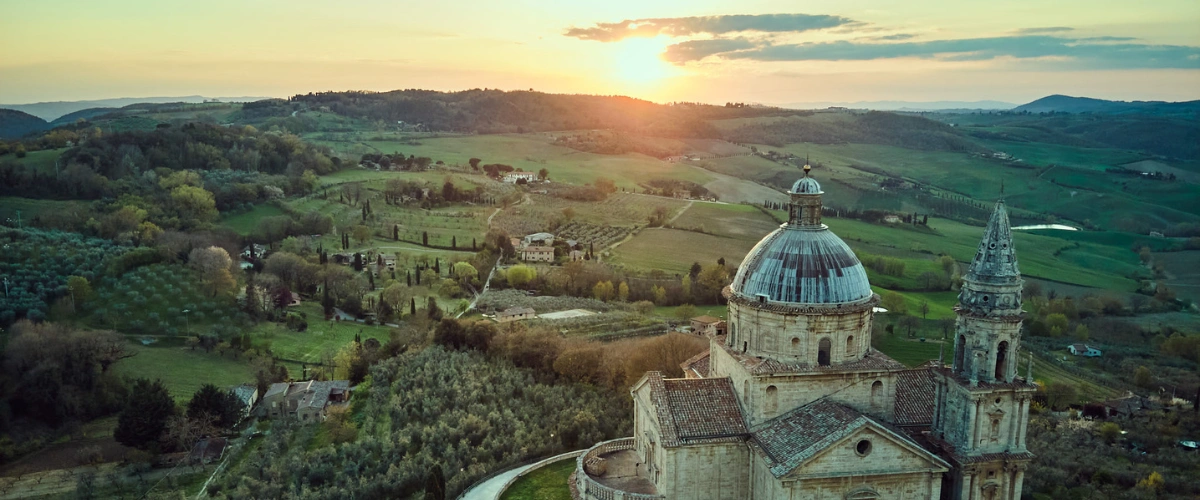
183, 370
533, 152
244, 223
941, 304
911, 352
322, 337
546, 483
727, 220
30, 208
42, 160
674, 250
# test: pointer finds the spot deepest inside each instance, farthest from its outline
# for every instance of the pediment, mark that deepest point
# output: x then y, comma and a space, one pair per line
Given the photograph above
871, 449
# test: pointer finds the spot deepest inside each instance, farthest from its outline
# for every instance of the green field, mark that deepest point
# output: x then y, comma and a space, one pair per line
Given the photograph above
30, 208
42, 161
727, 220
546, 483
184, 370
244, 223
911, 352
321, 338
941, 304
674, 250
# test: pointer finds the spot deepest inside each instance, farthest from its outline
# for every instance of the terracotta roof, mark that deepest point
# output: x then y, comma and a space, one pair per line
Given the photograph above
873, 360
697, 364
696, 411
534, 248
789, 440
706, 319
914, 397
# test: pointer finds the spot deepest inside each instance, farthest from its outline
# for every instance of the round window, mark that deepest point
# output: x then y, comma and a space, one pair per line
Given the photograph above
863, 448
997, 400
986, 298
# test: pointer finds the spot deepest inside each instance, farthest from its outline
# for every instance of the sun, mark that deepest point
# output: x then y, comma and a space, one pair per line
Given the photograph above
636, 61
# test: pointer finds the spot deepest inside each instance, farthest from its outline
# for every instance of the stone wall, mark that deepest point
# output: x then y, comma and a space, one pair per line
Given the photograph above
797, 337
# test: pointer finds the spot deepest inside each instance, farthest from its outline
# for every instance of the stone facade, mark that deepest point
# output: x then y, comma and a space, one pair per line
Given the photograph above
794, 403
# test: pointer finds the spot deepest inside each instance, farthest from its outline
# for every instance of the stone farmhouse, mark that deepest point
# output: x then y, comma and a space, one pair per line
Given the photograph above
515, 314
708, 325
792, 402
304, 401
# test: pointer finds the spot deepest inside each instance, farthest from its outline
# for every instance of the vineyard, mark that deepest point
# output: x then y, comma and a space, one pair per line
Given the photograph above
35, 266
499, 300
600, 236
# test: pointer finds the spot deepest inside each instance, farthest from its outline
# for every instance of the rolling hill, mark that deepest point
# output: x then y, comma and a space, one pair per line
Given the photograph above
1069, 104
16, 124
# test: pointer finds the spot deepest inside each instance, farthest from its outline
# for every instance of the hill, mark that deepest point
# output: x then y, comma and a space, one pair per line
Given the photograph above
86, 114
16, 124
1069, 104
874, 127
496, 111
56, 109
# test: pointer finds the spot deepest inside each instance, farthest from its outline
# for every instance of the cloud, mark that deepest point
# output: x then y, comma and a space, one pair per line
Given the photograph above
898, 36
712, 25
694, 50
1083, 52
1042, 31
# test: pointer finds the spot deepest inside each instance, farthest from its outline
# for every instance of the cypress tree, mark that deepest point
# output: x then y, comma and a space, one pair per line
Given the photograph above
408, 278
425, 238
396, 232
412, 306
454, 242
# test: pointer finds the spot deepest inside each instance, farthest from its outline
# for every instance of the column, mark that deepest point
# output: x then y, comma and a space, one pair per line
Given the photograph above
973, 432
968, 487
1023, 427
1018, 482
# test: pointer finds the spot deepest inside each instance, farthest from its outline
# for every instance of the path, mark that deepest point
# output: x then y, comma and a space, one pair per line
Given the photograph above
486, 284
685, 209
490, 489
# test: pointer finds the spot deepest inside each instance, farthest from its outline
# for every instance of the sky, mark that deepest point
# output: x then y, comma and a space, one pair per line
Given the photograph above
756, 51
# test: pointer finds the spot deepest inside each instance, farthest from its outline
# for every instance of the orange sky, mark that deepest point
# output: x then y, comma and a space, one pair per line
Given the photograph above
754, 51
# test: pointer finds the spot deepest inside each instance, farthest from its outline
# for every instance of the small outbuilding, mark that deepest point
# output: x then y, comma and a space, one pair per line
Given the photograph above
1084, 350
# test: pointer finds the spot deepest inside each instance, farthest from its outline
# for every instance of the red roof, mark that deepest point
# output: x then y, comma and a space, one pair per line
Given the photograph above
914, 397
696, 410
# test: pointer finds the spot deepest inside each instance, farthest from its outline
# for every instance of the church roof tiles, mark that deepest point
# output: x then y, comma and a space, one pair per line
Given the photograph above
694, 411
914, 397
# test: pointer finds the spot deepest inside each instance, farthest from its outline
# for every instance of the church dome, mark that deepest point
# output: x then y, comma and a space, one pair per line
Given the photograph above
804, 266
806, 185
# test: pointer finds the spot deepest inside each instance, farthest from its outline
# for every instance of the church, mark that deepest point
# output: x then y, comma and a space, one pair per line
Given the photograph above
793, 403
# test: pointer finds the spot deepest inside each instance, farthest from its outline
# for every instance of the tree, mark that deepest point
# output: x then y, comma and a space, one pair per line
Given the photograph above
1154, 482
1057, 324
194, 204
425, 238
144, 418
432, 310
222, 406
80, 288
924, 309
1081, 333
1061, 394
685, 312
1142, 377
603, 290
568, 213
1109, 432
361, 233
543, 174
894, 303
520, 275
474, 163
623, 292
213, 264
909, 324
605, 185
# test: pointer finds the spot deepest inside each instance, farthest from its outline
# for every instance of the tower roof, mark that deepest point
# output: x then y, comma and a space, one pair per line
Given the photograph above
996, 259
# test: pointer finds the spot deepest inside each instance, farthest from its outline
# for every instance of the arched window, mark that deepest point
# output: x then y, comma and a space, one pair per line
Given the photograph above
795, 343
960, 348
1001, 361
877, 394
772, 404
850, 345
823, 352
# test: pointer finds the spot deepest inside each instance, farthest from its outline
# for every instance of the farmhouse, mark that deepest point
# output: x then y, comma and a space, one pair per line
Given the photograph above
1084, 350
515, 314
708, 325
794, 403
247, 394
304, 401
514, 177
535, 253
542, 239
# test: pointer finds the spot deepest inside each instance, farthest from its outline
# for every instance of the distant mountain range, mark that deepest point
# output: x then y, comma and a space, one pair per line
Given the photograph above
905, 105
51, 111
1069, 104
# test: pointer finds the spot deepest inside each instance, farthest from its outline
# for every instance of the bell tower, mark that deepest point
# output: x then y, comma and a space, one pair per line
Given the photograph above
982, 405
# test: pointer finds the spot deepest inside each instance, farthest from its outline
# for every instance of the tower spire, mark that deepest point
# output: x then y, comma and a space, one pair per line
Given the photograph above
996, 260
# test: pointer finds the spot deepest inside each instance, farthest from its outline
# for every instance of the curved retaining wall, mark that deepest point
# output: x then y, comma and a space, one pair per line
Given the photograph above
590, 489
536, 466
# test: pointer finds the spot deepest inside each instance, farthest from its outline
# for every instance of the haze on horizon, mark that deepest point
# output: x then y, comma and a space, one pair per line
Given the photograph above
763, 51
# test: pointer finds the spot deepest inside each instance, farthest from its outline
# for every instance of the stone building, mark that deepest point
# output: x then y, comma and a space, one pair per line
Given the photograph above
792, 402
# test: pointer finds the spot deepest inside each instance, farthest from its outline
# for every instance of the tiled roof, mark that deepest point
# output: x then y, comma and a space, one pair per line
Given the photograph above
694, 411
697, 364
789, 440
792, 438
276, 388
914, 397
873, 360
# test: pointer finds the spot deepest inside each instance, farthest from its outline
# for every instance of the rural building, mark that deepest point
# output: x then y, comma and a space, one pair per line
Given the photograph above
303, 401
259, 251
575, 255
541, 239
515, 314
708, 325
247, 394
891, 219
513, 177
1084, 350
535, 253
794, 403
